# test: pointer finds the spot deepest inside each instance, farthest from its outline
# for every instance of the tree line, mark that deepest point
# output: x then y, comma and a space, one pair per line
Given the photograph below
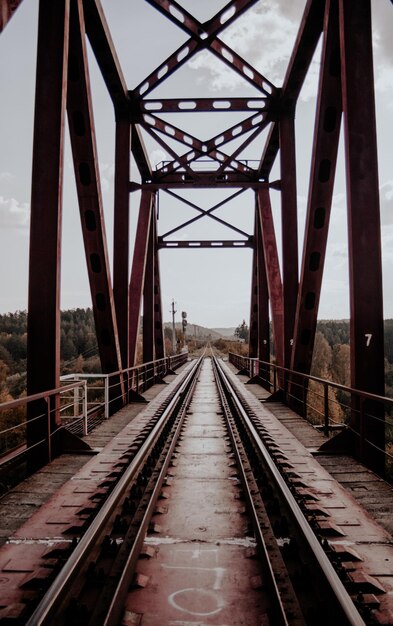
79, 351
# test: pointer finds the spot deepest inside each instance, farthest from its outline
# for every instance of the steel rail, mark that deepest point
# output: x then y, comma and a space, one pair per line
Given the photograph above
278, 610
45, 612
117, 604
344, 601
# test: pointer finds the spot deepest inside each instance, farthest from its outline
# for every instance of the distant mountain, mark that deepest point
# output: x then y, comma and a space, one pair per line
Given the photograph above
198, 332
225, 332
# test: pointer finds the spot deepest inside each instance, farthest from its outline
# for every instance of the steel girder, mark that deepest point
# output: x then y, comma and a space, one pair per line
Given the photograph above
346, 83
364, 245
272, 264
84, 151
259, 315
323, 165
140, 261
153, 336
43, 333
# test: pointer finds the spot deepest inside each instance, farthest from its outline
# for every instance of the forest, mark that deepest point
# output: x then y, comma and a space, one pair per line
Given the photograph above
79, 349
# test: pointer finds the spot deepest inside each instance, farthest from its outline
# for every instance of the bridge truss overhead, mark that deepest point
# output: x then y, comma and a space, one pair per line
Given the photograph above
345, 97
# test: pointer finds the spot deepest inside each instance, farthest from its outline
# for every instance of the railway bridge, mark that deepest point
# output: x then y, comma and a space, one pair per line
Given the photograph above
201, 489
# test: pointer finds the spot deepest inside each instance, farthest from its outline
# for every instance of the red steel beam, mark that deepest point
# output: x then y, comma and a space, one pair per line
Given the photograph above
138, 272
190, 25
102, 45
7, 9
43, 328
203, 36
121, 233
253, 341
263, 301
323, 165
306, 42
259, 341
140, 154
84, 152
290, 269
199, 148
101, 42
204, 213
365, 266
201, 243
202, 180
202, 105
148, 300
273, 271
159, 344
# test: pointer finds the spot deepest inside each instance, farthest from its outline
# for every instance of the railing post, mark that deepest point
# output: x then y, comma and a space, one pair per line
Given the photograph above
76, 400
286, 386
326, 408
84, 404
48, 427
274, 379
361, 429
106, 379
305, 398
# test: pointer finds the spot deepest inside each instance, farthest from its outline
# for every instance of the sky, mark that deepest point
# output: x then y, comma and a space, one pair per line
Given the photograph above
213, 286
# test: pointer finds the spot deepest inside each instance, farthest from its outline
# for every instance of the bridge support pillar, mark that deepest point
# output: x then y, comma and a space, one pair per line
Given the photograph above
43, 338
365, 266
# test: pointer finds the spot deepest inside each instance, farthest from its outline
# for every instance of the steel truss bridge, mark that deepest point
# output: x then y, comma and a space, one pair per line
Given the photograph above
345, 98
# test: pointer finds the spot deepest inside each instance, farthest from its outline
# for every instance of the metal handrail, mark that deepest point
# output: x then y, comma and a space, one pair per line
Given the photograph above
296, 393
139, 378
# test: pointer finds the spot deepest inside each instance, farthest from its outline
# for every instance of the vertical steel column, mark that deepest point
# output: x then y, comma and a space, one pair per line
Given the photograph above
259, 318
84, 152
138, 272
365, 267
289, 229
148, 300
253, 341
263, 302
43, 343
273, 271
159, 344
121, 232
323, 166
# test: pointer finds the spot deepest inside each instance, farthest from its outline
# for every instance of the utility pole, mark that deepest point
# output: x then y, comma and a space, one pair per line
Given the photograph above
174, 345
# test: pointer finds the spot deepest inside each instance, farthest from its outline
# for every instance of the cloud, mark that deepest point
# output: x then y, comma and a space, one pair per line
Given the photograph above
264, 36
14, 214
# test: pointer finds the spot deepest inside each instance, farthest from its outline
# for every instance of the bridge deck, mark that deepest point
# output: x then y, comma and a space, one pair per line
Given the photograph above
43, 513
374, 494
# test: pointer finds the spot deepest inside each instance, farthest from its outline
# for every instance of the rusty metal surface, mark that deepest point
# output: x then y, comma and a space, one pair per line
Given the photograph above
121, 233
272, 271
85, 159
199, 572
43, 342
289, 230
326, 137
364, 246
138, 272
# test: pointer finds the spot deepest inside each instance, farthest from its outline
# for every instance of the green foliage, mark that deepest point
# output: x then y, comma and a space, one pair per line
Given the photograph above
78, 348
242, 331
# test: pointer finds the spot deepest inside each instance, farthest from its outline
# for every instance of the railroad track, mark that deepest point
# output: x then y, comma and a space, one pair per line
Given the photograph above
201, 526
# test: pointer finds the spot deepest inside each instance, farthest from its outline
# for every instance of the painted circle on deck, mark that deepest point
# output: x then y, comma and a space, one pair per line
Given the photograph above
192, 599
